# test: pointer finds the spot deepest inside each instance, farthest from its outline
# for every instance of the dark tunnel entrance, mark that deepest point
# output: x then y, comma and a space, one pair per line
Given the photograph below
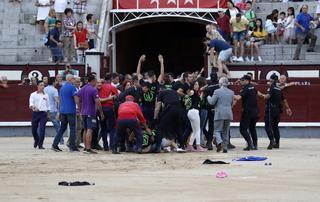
179, 42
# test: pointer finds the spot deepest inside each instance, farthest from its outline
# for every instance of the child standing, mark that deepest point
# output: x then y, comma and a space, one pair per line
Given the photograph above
281, 26
289, 33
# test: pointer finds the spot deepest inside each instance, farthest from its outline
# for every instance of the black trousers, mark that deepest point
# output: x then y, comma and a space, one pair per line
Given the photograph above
209, 134
249, 121
271, 126
170, 124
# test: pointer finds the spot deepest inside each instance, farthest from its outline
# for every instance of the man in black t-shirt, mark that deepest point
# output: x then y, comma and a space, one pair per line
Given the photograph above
171, 117
148, 101
250, 113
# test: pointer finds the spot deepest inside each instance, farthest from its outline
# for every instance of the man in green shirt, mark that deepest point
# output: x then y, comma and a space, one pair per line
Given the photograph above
250, 15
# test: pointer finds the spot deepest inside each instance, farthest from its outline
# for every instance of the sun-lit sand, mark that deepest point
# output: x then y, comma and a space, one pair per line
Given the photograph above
27, 174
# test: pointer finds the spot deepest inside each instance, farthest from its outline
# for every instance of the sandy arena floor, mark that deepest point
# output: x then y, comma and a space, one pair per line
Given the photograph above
32, 175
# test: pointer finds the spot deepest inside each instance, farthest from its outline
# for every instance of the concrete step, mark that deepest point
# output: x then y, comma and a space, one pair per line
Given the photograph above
314, 56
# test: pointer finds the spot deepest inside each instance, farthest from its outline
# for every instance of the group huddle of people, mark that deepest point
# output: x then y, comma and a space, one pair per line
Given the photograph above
144, 113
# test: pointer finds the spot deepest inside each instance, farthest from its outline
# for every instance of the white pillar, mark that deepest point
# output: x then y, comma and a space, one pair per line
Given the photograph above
93, 59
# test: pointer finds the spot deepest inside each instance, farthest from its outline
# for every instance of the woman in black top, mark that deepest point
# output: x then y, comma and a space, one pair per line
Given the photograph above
194, 117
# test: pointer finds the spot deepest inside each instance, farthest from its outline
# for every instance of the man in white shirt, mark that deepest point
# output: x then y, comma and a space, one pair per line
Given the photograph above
39, 104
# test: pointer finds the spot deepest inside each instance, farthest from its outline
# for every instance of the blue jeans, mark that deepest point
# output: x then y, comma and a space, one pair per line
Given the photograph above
134, 126
65, 120
56, 123
56, 53
108, 126
39, 120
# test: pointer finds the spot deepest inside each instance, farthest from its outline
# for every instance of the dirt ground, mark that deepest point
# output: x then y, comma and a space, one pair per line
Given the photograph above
27, 174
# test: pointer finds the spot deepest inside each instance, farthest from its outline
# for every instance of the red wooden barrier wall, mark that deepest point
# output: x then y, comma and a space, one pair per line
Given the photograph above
304, 101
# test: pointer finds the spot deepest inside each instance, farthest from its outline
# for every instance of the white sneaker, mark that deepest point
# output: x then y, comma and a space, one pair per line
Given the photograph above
240, 59
179, 150
252, 59
259, 58
247, 59
234, 58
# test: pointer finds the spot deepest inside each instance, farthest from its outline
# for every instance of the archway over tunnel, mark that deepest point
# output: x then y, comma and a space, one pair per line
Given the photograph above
180, 43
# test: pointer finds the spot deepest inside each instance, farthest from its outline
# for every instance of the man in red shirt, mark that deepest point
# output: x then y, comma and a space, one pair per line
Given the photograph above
107, 94
223, 22
129, 119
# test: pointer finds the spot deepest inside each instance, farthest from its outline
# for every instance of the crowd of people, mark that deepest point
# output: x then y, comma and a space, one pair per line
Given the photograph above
68, 29
141, 112
246, 32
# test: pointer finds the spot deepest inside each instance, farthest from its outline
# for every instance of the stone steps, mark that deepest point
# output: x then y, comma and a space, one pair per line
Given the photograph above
19, 40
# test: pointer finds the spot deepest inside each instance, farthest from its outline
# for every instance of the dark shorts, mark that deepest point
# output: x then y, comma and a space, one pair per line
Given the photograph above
88, 122
239, 36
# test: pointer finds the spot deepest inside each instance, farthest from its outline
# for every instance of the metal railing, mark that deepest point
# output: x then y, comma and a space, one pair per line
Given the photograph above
170, 4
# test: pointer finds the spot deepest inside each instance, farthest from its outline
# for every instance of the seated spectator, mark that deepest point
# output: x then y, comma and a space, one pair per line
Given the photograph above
69, 24
232, 10
55, 44
80, 9
238, 27
247, 45
289, 33
4, 82
303, 31
271, 30
223, 23
68, 70
25, 81
281, 27
34, 81
250, 15
258, 39
45, 80
43, 11
59, 7
91, 30
80, 41
59, 81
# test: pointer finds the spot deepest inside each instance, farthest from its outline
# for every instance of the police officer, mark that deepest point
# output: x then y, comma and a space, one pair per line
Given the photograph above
250, 113
273, 108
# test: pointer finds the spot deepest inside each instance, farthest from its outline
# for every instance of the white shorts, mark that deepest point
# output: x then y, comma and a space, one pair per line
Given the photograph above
225, 55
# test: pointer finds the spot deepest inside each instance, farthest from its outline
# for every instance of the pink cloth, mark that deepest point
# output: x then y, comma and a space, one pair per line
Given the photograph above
221, 174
